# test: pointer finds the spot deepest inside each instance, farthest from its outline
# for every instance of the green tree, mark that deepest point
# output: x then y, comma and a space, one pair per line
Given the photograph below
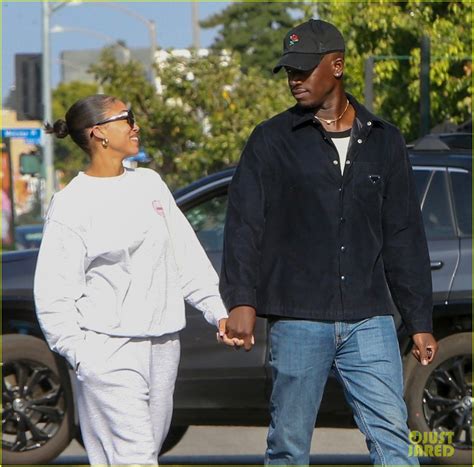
378, 28
68, 157
255, 30
384, 29
202, 115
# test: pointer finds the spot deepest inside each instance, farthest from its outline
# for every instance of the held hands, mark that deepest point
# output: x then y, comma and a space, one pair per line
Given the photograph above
240, 326
222, 337
424, 347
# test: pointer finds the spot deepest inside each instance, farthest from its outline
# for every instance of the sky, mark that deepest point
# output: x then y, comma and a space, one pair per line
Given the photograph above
22, 29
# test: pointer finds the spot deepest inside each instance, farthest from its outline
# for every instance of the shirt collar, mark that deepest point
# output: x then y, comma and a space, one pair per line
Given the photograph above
303, 115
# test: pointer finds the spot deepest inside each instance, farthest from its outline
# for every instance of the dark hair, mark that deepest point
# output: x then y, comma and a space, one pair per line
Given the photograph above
81, 115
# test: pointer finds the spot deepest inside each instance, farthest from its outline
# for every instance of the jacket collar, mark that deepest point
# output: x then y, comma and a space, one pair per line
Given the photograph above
302, 115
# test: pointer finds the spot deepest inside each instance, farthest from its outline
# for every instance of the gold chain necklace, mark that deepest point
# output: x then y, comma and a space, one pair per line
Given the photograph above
328, 122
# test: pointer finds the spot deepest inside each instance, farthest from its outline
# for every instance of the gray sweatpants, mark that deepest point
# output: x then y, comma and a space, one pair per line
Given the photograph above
125, 396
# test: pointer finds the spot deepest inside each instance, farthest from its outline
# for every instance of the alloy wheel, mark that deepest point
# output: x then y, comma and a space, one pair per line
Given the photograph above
33, 405
447, 400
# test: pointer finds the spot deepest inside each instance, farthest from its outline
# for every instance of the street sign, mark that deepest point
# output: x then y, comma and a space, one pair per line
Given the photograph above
30, 135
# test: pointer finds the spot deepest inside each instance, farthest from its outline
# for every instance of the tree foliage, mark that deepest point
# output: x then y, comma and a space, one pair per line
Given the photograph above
199, 121
255, 30
68, 158
206, 107
378, 28
383, 29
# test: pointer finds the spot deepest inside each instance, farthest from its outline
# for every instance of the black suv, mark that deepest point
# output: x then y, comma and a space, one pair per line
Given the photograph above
218, 386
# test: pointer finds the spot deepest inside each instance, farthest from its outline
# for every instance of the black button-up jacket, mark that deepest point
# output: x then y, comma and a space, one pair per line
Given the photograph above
304, 241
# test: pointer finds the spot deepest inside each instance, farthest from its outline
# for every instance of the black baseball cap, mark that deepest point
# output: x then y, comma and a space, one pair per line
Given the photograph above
306, 44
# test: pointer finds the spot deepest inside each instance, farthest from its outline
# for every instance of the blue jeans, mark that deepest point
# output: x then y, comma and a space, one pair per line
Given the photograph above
366, 360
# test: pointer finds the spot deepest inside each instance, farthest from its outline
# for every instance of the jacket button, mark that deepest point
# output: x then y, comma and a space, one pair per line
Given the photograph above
343, 248
340, 189
369, 123
335, 162
359, 141
342, 220
343, 278
348, 162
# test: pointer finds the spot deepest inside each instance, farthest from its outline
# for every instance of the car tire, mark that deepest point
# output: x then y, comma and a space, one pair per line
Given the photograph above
175, 434
439, 399
37, 411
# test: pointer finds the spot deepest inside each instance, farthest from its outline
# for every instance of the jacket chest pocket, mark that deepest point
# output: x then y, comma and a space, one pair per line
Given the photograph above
368, 183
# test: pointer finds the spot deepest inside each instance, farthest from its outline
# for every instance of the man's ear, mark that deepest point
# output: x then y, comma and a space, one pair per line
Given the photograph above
338, 66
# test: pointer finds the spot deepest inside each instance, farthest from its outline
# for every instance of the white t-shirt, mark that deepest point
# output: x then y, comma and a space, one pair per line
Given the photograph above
118, 257
341, 141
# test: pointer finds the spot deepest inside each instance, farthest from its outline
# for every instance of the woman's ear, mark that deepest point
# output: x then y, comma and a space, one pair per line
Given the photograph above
98, 132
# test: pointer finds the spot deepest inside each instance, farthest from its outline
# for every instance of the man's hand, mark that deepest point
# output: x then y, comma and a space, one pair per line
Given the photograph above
424, 347
241, 323
224, 339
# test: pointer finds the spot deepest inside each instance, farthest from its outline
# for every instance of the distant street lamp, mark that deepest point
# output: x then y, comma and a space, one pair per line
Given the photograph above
150, 24
48, 9
109, 40
100, 35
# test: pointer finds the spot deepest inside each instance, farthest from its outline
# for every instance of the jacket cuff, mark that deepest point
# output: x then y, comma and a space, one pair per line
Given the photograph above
239, 297
419, 326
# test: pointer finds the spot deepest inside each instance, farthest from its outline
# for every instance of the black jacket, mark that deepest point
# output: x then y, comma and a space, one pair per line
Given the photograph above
303, 241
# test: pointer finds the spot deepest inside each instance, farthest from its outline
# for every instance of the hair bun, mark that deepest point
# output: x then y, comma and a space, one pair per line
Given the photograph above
58, 129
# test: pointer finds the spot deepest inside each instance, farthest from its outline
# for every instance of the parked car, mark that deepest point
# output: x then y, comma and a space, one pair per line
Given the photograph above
28, 236
223, 387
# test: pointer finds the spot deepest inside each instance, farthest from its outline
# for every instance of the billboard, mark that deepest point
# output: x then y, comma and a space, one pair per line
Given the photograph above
8, 239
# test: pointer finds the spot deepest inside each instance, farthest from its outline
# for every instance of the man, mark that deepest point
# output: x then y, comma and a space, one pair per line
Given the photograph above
323, 235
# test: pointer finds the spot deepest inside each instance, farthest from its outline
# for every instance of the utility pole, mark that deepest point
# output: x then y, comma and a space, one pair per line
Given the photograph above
425, 86
369, 83
150, 24
196, 27
48, 154
152, 31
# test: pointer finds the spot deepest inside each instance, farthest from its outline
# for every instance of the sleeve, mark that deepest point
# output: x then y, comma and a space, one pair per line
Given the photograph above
245, 224
60, 281
199, 280
405, 250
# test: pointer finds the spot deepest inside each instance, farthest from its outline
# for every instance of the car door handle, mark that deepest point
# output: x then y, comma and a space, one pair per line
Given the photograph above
436, 265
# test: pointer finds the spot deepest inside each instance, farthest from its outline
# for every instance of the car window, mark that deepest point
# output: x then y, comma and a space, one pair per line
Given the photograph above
421, 180
207, 219
458, 141
462, 191
436, 209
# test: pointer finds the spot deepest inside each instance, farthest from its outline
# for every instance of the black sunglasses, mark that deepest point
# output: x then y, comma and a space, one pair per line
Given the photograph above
126, 115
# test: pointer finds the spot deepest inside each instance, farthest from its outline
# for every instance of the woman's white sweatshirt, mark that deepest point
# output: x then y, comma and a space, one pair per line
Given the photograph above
118, 257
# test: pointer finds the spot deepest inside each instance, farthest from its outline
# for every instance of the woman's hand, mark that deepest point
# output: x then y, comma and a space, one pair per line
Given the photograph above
224, 339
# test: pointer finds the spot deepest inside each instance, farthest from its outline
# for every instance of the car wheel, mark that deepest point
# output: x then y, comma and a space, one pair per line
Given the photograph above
175, 434
37, 410
439, 401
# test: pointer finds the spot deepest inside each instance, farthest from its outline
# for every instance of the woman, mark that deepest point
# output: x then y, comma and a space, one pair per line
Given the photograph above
116, 260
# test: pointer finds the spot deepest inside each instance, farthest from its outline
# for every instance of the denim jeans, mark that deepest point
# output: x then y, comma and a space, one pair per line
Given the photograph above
365, 357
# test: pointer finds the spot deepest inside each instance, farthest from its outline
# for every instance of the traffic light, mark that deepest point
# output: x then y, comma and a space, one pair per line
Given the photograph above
29, 105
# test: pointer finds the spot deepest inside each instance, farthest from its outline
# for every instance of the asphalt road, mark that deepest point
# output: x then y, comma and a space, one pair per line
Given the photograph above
246, 445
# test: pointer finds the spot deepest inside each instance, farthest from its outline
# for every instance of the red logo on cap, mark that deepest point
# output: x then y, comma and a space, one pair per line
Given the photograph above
294, 39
